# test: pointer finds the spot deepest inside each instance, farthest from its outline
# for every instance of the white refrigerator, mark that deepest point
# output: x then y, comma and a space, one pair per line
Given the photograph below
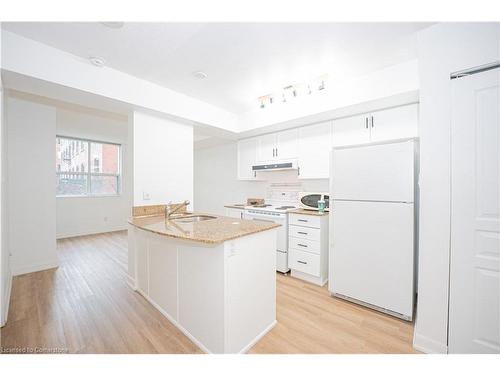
372, 225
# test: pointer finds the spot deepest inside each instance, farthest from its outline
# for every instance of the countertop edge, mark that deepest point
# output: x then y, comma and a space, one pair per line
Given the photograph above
233, 206
203, 241
301, 211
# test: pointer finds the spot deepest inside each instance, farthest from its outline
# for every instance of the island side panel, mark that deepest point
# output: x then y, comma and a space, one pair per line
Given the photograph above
250, 289
131, 256
201, 294
162, 265
141, 256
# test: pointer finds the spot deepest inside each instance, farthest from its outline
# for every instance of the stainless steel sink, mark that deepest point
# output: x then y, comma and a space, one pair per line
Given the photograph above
193, 218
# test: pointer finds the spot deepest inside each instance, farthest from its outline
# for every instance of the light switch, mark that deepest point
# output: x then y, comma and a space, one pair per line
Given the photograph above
146, 196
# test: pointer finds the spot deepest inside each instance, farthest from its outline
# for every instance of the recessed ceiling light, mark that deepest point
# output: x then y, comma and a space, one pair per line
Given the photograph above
97, 61
113, 25
200, 75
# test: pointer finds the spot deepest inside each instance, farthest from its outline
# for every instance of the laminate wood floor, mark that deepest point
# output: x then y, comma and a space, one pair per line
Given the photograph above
85, 306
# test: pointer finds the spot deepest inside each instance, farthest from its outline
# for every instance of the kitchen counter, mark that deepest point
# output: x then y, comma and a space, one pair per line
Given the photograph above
212, 231
301, 211
236, 206
215, 280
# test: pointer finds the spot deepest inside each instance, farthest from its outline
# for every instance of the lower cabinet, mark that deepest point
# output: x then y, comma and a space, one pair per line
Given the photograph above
163, 274
234, 212
308, 247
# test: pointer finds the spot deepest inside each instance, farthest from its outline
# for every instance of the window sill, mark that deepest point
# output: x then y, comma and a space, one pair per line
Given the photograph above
90, 196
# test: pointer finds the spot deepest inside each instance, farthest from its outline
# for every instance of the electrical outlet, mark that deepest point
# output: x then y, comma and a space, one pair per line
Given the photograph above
146, 196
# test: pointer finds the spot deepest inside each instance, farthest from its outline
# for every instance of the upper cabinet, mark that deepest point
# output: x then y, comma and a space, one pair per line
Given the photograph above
311, 144
247, 156
351, 130
287, 144
277, 146
393, 123
266, 147
315, 142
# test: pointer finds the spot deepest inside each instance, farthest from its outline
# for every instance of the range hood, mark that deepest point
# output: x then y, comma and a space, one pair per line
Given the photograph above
285, 165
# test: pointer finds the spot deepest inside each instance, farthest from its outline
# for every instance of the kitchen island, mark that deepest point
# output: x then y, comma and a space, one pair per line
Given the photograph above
212, 276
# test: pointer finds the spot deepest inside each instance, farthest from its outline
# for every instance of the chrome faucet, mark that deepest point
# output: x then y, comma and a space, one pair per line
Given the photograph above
169, 211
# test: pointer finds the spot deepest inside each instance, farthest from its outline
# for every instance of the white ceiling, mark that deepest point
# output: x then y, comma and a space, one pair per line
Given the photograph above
243, 60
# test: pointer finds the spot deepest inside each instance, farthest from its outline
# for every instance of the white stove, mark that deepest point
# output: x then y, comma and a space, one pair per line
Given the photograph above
273, 208
280, 201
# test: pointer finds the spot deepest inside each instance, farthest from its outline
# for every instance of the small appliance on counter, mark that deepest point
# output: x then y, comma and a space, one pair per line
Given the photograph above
314, 201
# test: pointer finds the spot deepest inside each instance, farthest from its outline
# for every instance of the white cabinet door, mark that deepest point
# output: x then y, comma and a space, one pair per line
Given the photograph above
266, 145
315, 142
351, 131
474, 325
394, 123
247, 155
234, 212
163, 274
286, 144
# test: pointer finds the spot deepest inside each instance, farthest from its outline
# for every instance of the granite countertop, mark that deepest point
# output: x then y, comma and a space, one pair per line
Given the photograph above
213, 231
308, 212
237, 206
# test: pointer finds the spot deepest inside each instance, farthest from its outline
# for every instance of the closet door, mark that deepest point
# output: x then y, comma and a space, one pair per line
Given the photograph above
474, 321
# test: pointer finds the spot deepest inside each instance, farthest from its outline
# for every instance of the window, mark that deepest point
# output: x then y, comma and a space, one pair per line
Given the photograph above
93, 170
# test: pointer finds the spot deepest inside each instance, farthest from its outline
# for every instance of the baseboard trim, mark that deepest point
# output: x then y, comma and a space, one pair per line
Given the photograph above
175, 323
428, 346
91, 232
35, 267
6, 302
131, 283
258, 337
309, 278
196, 341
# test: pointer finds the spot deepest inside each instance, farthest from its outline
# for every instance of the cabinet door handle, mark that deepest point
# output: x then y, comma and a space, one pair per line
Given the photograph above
302, 233
372, 122
366, 122
302, 245
273, 153
276, 151
303, 220
255, 173
301, 261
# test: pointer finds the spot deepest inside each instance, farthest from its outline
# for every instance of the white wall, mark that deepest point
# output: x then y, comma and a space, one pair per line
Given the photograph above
87, 215
5, 273
163, 160
23, 56
31, 191
393, 80
162, 165
442, 49
216, 183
